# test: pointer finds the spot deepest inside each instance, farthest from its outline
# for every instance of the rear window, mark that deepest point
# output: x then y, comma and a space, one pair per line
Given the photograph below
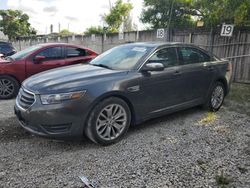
75, 52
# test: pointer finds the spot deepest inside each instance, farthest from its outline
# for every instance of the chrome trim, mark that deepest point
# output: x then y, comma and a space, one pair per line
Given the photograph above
17, 103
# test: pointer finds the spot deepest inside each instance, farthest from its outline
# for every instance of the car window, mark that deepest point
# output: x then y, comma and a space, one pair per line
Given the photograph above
5, 48
51, 53
192, 55
75, 52
166, 56
123, 57
26, 52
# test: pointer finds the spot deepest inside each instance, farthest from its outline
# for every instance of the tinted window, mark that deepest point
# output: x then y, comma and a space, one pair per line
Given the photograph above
75, 52
166, 56
51, 53
192, 55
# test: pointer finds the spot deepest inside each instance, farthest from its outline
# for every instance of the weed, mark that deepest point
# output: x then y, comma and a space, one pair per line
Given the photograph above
208, 119
184, 132
222, 180
242, 170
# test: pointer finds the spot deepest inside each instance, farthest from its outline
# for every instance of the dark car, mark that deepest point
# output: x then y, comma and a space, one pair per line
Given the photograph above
16, 68
6, 49
125, 85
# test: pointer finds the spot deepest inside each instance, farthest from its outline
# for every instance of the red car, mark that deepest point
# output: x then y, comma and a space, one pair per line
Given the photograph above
16, 68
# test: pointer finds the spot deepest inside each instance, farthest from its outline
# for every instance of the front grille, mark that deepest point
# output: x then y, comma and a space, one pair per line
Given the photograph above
25, 98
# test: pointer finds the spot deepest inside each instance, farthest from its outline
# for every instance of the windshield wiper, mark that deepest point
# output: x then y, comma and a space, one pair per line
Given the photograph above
102, 65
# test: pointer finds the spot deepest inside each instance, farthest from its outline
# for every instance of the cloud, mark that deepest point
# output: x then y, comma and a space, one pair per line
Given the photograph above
70, 18
25, 9
51, 9
75, 14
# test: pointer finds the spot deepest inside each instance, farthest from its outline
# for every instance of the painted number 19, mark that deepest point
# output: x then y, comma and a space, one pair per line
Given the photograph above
227, 30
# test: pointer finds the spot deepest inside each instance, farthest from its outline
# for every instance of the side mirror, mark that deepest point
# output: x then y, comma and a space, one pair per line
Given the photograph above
153, 67
39, 59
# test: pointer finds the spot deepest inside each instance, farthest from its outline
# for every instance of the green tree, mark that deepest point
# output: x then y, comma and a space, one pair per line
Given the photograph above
158, 13
215, 12
65, 32
15, 23
94, 30
118, 14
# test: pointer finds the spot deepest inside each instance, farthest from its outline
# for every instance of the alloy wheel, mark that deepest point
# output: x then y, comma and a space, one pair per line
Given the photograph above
6, 88
217, 96
111, 122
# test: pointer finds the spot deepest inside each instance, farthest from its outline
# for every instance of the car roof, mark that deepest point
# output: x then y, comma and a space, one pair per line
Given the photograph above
159, 44
57, 43
64, 44
6, 43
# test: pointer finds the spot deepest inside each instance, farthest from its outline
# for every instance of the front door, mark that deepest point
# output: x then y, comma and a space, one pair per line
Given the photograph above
163, 89
53, 58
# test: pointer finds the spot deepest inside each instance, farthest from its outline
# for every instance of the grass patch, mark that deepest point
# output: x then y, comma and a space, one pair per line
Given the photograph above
208, 119
239, 98
239, 93
222, 180
202, 165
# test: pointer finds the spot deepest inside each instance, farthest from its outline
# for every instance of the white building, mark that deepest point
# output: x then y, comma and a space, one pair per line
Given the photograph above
2, 36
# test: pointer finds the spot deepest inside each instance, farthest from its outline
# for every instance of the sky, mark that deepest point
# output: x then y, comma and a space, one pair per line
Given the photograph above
75, 15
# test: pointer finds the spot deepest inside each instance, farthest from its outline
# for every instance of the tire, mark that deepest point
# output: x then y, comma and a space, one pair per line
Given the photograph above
9, 87
216, 97
109, 121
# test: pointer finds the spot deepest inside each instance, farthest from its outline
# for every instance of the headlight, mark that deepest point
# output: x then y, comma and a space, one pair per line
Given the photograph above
58, 98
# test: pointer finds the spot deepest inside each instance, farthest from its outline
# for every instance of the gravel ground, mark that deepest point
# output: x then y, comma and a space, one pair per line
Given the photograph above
191, 148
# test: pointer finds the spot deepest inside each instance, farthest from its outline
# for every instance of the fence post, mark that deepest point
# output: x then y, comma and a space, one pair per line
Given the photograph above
102, 41
190, 37
211, 38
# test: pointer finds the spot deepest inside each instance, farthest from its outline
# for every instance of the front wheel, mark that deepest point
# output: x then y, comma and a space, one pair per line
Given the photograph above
108, 121
8, 87
216, 97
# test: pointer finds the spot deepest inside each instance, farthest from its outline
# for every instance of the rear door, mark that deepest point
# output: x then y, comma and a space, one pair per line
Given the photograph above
53, 58
76, 55
197, 71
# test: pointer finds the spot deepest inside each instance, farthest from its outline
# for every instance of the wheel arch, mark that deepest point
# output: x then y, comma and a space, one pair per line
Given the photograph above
119, 95
12, 76
224, 82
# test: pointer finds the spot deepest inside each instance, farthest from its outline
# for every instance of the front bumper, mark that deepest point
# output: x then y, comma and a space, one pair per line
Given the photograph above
65, 120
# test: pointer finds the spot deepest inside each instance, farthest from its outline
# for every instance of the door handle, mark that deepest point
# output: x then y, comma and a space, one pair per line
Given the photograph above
177, 73
211, 68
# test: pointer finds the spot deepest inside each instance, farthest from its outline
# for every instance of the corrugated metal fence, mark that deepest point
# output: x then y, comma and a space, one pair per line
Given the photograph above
235, 48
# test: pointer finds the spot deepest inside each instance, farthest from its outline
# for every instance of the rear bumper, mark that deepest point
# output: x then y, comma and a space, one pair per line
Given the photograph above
57, 121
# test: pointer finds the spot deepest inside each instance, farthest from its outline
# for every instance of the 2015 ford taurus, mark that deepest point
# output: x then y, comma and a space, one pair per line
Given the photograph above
126, 85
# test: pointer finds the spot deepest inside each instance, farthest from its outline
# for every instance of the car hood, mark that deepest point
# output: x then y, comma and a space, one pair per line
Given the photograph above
4, 61
67, 79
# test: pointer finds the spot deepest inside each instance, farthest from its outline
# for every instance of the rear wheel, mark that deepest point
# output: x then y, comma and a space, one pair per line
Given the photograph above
108, 121
8, 87
216, 97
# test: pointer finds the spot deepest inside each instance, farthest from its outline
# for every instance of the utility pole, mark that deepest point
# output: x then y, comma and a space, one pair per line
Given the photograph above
59, 27
110, 6
169, 21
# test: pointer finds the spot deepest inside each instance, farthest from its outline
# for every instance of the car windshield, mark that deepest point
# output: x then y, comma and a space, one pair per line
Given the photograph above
121, 57
24, 53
